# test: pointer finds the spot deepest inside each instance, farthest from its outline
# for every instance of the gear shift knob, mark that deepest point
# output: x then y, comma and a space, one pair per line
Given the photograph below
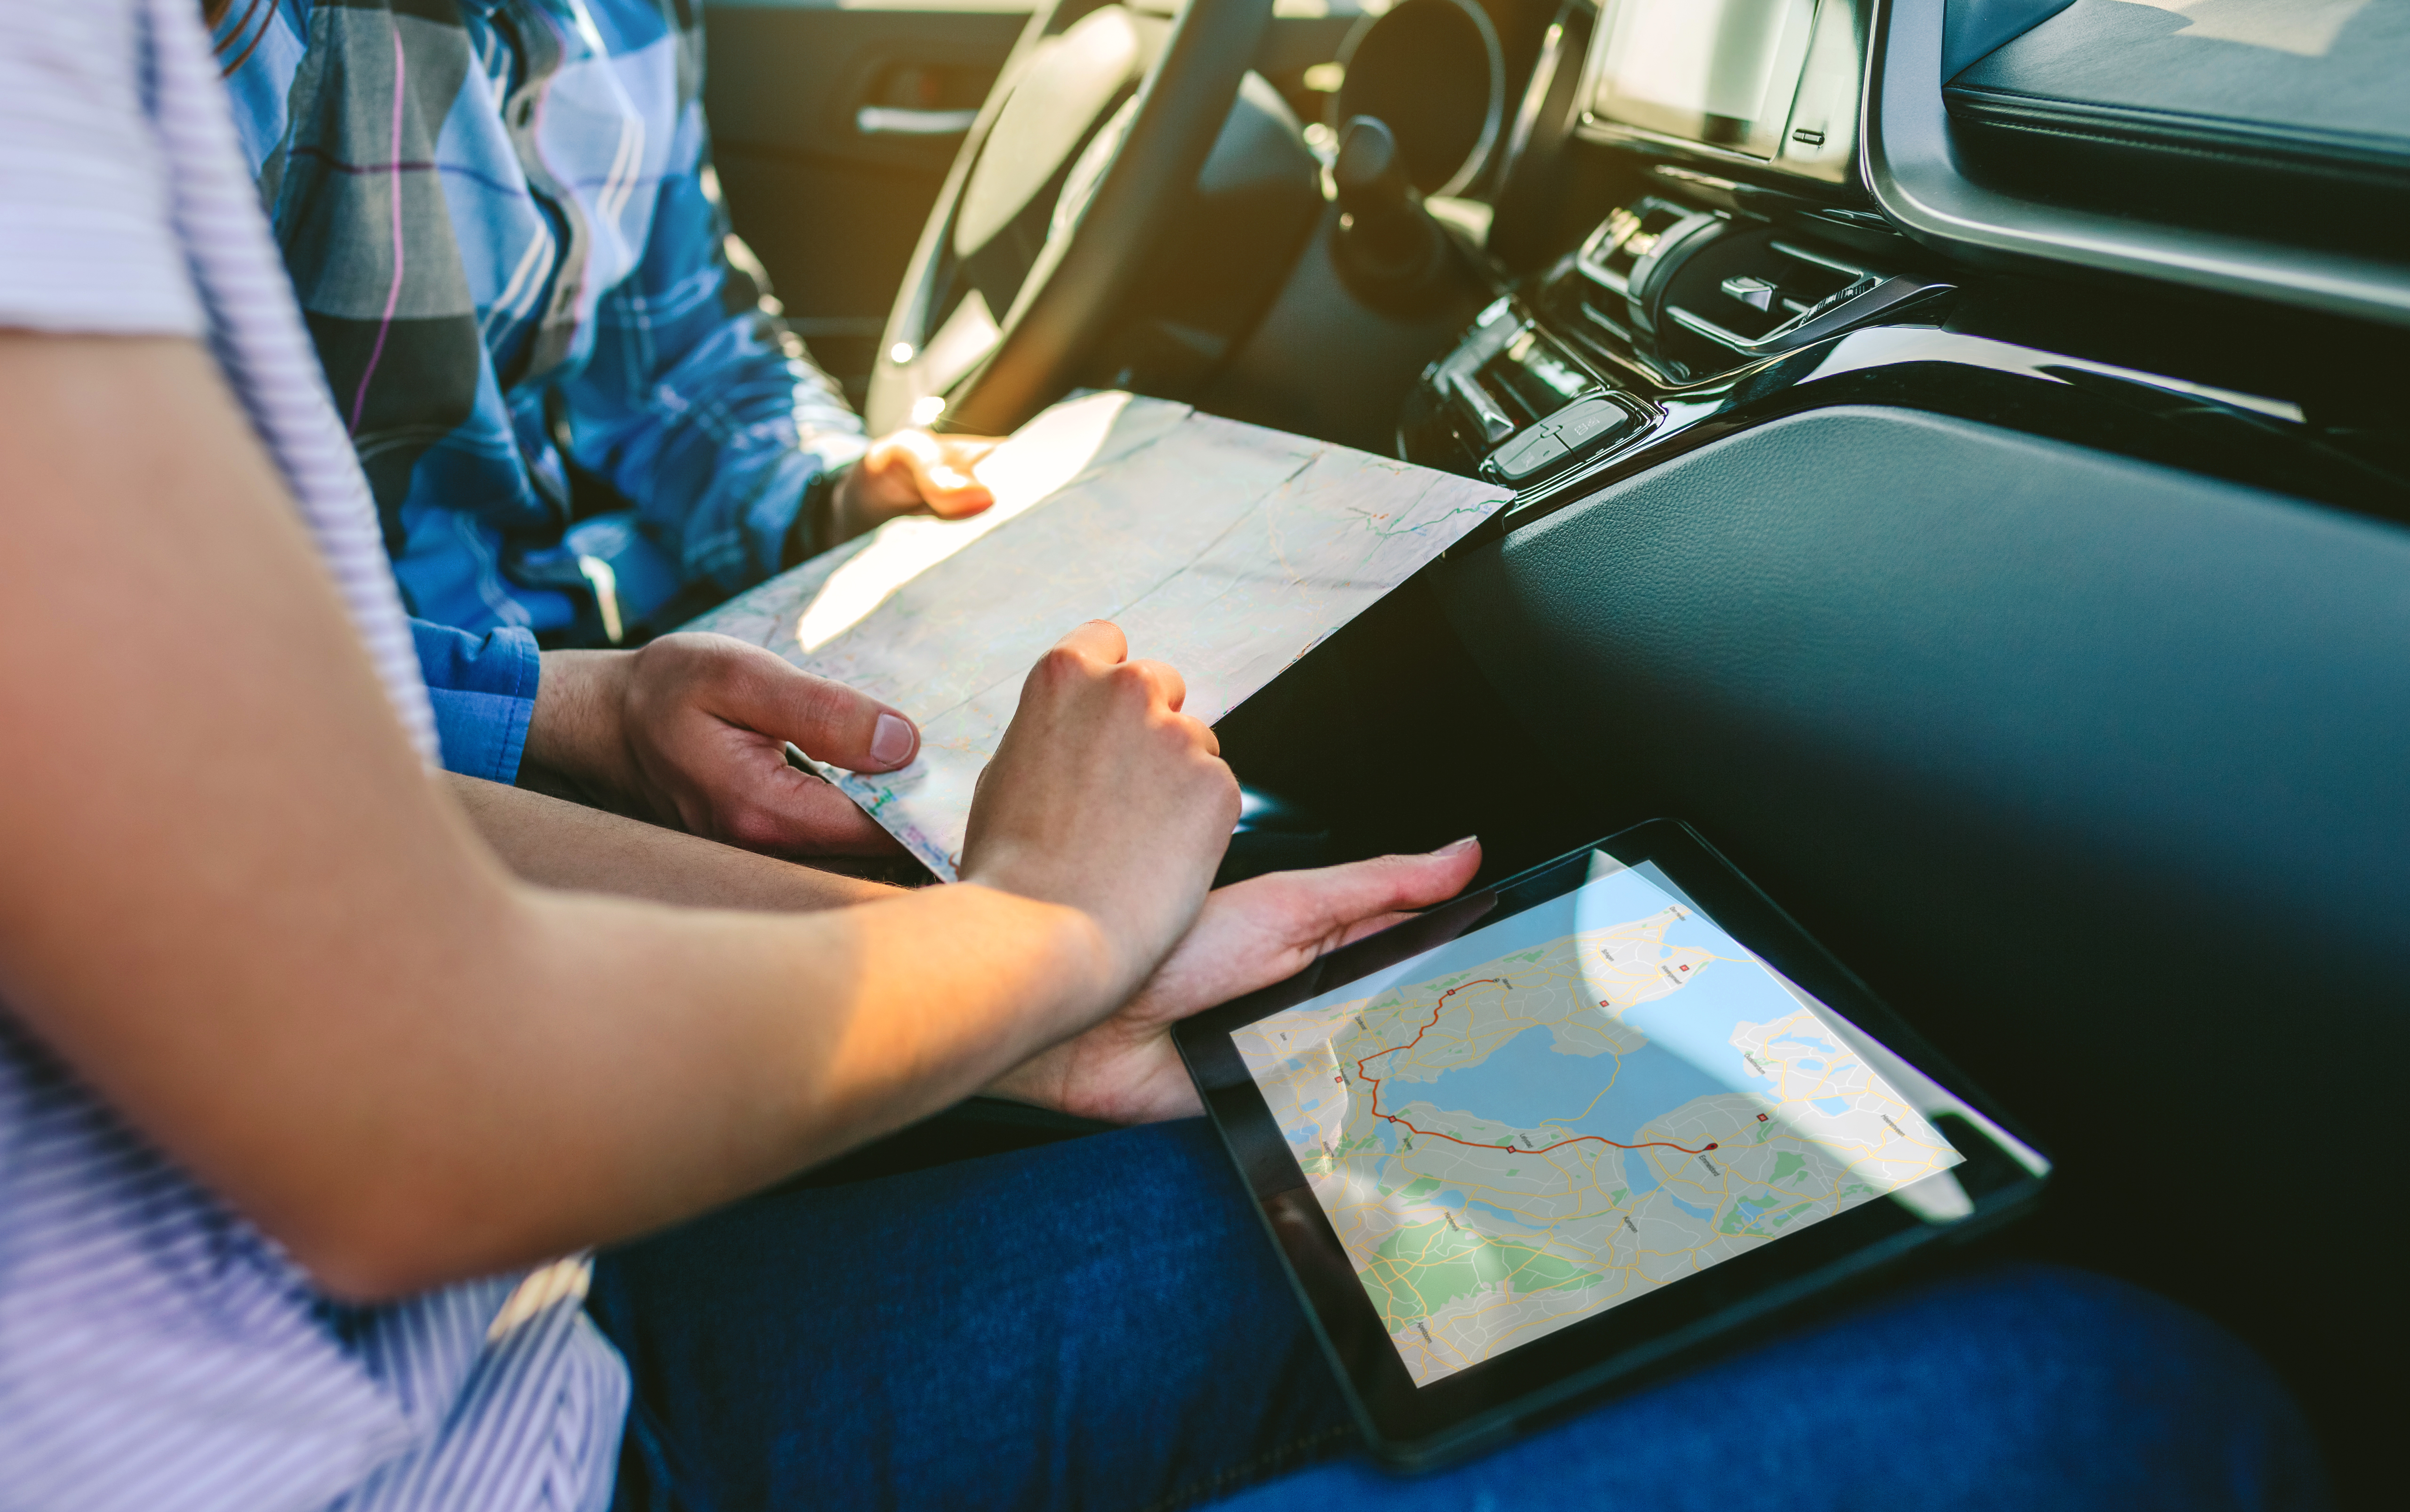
1389, 248
1368, 166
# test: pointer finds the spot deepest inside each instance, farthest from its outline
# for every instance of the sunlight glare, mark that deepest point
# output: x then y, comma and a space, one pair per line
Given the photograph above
1036, 460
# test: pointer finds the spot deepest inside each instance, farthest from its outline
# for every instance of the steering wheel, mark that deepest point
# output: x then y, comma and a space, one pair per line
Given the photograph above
1093, 132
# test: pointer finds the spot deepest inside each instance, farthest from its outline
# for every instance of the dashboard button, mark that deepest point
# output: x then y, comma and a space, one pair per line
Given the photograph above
1580, 424
1527, 455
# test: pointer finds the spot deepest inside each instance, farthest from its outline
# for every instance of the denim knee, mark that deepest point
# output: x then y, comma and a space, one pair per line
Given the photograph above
2013, 1388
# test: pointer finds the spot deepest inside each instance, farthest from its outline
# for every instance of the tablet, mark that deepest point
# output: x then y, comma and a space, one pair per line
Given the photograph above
1524, 1147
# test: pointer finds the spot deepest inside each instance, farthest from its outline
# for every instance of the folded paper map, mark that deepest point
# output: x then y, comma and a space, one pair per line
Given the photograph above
1226, 550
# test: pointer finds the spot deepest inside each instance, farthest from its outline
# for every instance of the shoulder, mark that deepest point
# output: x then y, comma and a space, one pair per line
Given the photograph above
86, 238
52, 56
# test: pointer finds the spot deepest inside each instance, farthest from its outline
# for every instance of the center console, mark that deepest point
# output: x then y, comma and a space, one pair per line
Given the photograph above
1740, 267
1751, 243
1664, 303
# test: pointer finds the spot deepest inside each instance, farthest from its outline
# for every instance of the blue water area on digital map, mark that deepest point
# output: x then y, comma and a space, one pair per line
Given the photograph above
1500, 1213
1797, 1039
1698, 1022
1735, 982
1832, 1105
1638, 1174
1528, 1081
1705, 1215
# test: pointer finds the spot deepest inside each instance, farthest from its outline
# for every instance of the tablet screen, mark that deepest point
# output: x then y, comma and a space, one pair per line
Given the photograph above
1569, 1109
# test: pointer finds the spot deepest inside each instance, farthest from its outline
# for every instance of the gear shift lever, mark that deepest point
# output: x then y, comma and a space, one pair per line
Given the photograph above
1390, 251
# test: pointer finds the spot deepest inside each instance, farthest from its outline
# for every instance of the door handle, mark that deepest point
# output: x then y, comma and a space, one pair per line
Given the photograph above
896, 121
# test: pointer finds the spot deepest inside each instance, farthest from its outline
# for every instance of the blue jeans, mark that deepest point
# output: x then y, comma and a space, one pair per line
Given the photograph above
1100, 1324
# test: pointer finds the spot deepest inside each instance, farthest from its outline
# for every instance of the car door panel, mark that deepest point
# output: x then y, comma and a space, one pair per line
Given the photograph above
833, 122
812, 105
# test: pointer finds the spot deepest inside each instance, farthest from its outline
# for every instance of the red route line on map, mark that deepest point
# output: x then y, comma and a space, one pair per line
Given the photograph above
1437, 1009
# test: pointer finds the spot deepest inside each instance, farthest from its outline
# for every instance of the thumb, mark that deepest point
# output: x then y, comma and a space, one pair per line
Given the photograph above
941, 473
1255, 932
831, 721
1353, 900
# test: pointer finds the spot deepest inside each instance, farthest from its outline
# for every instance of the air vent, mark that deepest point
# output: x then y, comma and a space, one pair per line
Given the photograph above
1603, 298
1745, 291
1681, 296
1625, 238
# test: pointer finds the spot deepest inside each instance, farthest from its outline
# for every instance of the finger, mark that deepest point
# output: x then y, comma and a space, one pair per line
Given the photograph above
885, 480
1253, 933
1345, 901
1100, 641
831, 721
1362, 928
896, 452
941, 475
1165, 680
966, 452
790, 813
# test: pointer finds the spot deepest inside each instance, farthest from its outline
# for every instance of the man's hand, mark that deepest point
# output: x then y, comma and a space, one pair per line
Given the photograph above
1105, 798
1250, 935
911, 472
691, 731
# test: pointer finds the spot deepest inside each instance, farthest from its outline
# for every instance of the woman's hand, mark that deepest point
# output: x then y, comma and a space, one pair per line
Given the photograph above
1250, 935
1105, 798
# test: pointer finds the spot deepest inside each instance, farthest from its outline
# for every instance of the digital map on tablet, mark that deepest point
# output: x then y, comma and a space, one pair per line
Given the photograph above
1226, 550
1569, 1109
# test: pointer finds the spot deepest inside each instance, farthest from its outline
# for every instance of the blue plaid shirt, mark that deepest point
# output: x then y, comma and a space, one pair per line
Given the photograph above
502, 223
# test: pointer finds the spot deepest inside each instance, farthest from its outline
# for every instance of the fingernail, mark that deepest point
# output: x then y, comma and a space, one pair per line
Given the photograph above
890, 739
948, 480
1458, 847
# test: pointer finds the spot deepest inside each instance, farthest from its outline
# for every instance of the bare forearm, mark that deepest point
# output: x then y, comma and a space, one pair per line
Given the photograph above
292, 965
566, 845
651, 1064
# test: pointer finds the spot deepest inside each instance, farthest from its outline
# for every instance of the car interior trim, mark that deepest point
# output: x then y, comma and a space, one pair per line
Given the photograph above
1912, 166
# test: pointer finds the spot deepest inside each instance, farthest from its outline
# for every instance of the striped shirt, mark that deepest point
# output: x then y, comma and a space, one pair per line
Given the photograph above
155, 1350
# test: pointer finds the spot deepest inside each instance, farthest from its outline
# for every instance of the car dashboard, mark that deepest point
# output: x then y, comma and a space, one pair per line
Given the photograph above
1756, 248
1931, 484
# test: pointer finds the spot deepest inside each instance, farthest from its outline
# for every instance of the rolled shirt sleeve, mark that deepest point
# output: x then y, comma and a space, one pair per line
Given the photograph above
484, 692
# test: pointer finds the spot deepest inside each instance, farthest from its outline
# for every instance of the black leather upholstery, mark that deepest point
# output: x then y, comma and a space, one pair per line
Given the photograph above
2100, 770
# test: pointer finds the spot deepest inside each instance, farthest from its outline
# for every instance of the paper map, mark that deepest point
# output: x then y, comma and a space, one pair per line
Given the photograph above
1224, 549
